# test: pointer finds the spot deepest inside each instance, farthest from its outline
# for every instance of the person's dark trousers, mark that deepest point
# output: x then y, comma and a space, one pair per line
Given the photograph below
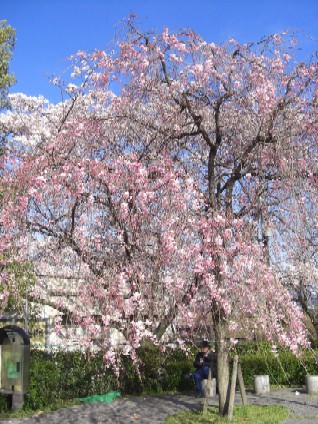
199, 375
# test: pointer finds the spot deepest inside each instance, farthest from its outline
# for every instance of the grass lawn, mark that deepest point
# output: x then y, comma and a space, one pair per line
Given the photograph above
253, 414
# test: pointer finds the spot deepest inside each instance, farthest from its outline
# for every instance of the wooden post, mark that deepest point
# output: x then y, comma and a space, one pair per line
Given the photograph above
241, 384
232, 390
207, 393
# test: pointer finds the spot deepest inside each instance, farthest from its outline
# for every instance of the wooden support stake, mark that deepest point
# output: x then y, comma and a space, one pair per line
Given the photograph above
207, 393
232, 390
241, 384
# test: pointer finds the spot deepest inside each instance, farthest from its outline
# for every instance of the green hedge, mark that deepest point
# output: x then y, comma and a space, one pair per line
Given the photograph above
68, 375
62, 376
283, 369
65, 375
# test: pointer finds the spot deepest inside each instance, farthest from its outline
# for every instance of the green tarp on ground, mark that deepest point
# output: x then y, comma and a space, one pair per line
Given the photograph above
108, 397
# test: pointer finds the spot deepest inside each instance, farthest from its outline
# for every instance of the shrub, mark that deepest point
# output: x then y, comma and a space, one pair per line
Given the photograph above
159, 372
45, 380
3, 403
251, 347
62, 376
283, 369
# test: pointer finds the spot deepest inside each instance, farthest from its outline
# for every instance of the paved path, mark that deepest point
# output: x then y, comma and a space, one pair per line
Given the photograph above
155, 409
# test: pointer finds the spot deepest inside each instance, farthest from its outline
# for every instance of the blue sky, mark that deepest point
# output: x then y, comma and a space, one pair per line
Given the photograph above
48, 31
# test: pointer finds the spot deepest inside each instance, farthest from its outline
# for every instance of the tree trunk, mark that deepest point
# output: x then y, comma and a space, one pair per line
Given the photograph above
223, 375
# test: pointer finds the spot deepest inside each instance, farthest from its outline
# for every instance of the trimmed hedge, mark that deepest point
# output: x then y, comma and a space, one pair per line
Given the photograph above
284, 369
65, 375
68, 375
62, 376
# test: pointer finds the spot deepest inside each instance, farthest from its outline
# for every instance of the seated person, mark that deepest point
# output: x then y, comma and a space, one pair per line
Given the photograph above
202, 362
